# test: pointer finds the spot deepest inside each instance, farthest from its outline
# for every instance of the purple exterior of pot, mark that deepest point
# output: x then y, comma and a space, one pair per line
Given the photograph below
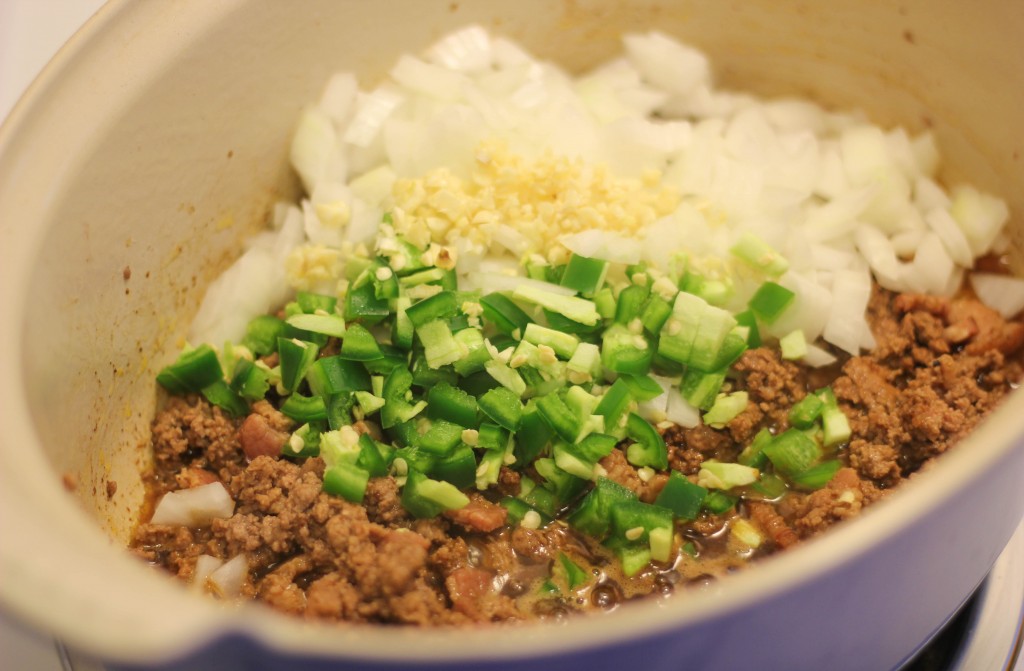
931, 569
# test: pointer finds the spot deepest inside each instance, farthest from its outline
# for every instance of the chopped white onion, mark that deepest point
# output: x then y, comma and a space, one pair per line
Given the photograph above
679, 411
943, 225
603, 245
1002, 293
878, 251
205, 566
428, 79
314, 152
850, 293
195, 507
227, 580
339, 97
666, 63
372, 110
818, 357
467, 50
656, 409
488, 282
931, 269
981, 217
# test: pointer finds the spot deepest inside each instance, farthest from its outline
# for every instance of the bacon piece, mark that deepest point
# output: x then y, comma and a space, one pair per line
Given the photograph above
258, 438
467, 587
479, 515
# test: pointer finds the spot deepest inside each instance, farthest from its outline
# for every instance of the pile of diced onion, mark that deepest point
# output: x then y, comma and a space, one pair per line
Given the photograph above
842, 200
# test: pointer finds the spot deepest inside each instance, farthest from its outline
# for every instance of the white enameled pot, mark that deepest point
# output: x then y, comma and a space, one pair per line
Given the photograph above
157, 139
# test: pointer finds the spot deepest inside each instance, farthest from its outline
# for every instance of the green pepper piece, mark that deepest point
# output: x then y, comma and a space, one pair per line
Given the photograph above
391, 357
719, 502
195, 369
542, 500
492, 437
425, 377
630, 304
327, 325
564, 485
334, 374
753, 455
792, 452
635, 520
304, 442
261, 334
649, 448
623, 351
559, 417
560, 323
347, 481
249, 380
614, 404
770, 301
655, 313
223, 396
571, 307
594, 447
296, 358
477, 383
441, 438
458, 468
533, 436
424, 497
359, 345
310, 302
770, 486
700, 389
304, 408
339, 409
584, 275
445, 401
592, 515
402, 328
642, 387
503, 406
370, 458
681, 496
439, 345
476, 356
805, 412
518, 509
362, 304
574, 575
441, 305
749, 321
385, 282
563, 344
817, 476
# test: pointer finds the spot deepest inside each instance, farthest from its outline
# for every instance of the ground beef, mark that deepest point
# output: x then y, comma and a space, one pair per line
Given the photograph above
190, 432
940, 365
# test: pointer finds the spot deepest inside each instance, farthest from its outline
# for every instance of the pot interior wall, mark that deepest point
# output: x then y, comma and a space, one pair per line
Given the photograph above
172, 180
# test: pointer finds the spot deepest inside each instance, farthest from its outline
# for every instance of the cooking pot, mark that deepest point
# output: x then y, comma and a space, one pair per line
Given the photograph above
157, 140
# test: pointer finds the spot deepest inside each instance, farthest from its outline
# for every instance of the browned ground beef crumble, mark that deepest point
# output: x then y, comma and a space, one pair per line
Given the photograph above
939, 366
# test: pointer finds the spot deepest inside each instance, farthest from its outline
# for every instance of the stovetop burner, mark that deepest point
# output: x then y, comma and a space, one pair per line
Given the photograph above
942, 653
988, 632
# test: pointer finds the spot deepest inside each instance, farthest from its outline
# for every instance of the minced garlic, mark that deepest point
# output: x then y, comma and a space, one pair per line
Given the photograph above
540, 200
